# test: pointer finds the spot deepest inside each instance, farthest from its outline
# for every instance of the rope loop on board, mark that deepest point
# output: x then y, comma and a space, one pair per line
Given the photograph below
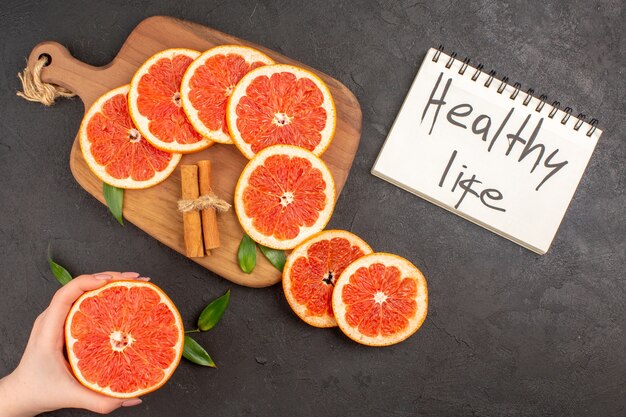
34, 89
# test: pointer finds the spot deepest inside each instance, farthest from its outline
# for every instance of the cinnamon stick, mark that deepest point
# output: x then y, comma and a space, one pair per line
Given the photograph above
191, 219
209, 215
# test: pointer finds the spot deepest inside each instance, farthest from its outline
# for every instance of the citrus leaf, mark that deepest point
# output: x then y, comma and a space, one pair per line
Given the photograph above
275, 256
213, 312
115, 199
195, 353
246, 255
61, 274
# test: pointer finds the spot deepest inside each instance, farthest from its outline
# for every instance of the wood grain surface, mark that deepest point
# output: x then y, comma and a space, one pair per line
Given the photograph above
154, 210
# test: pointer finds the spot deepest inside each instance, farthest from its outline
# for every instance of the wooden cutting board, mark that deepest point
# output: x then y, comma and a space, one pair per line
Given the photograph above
154, 210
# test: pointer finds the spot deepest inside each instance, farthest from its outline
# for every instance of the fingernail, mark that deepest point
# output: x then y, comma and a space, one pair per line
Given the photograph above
102, 276
130, 403
130, 274
143, 279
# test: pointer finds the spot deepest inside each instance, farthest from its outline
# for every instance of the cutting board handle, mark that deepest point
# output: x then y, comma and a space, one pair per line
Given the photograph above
65, 70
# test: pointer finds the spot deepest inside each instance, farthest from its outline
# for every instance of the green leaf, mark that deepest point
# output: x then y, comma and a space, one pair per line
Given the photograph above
61, 274
195, 353
246, 255
115, 199
213, 312
275, 256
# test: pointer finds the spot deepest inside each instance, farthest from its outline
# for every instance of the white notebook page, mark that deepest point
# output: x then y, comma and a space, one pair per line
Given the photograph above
477, 152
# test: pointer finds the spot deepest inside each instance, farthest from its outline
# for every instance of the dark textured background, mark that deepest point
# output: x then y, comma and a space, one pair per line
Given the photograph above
509, 333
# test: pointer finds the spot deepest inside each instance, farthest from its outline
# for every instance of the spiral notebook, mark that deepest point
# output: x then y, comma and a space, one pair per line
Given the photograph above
487, 150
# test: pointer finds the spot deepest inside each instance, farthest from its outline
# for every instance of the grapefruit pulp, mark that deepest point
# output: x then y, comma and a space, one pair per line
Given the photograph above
311, 271
281, 104
380, 299
284, 195
155, 103
208, 83
114, 149
124, 339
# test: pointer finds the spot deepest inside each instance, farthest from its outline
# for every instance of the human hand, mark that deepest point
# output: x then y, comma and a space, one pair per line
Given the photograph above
43, 380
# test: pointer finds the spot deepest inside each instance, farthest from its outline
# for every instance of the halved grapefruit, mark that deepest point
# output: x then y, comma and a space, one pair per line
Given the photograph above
124, 339
281, 104
284, 195
380, 299
115, 150
208, 83
311, 271
155, 104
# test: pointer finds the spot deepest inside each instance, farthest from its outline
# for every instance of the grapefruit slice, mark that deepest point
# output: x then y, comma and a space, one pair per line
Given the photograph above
115, 150
311, 271
124, 339
155, 104
284, 195
380, 299
209, 82
281, 104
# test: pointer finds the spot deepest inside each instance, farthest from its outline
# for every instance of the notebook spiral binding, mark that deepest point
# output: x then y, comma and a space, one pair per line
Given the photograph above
517, 87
